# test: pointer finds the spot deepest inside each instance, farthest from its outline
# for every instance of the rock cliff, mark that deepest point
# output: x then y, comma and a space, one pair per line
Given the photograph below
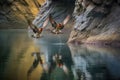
96, 21
59, 9
13, 13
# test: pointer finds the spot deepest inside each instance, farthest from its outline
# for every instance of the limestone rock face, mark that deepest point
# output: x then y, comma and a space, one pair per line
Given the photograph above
13, 13
59, 9
96, 20
16, 13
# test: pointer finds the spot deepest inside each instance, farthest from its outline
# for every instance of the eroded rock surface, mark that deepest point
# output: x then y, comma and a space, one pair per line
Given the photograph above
13, 13
96, 20
59, 9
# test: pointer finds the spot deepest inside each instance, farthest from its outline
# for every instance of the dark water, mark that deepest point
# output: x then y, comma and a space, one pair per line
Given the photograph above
50, 58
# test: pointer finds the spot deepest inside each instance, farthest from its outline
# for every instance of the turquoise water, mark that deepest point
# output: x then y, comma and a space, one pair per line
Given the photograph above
26, 58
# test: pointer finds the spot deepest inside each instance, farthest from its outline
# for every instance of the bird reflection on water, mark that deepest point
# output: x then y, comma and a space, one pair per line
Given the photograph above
37, 60
51, 71
97, 63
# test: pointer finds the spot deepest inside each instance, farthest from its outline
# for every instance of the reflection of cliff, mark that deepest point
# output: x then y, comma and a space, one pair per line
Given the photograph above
96, 20
13, 13
15, 55
96, 62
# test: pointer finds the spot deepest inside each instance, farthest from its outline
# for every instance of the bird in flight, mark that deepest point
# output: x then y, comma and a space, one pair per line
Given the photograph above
36, 31
58, 26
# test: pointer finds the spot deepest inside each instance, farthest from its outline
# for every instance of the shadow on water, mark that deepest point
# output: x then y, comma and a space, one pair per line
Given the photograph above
50, 58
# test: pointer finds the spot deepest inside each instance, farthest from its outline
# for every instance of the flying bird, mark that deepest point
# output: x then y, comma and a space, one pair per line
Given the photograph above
58, 26
37, 31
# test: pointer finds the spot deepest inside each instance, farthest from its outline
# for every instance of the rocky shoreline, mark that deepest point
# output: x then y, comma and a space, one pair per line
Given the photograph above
100, 43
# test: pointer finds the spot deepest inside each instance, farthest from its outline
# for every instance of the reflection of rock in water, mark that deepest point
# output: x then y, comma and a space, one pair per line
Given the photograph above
99, 72
57, 57
51, 49
37, 60
96, 63
57, 70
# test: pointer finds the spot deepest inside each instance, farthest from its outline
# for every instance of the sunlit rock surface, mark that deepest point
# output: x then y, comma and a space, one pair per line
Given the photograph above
96, 21
13, 13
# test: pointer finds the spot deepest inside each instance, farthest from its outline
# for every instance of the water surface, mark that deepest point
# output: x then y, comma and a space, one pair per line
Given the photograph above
26, 58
